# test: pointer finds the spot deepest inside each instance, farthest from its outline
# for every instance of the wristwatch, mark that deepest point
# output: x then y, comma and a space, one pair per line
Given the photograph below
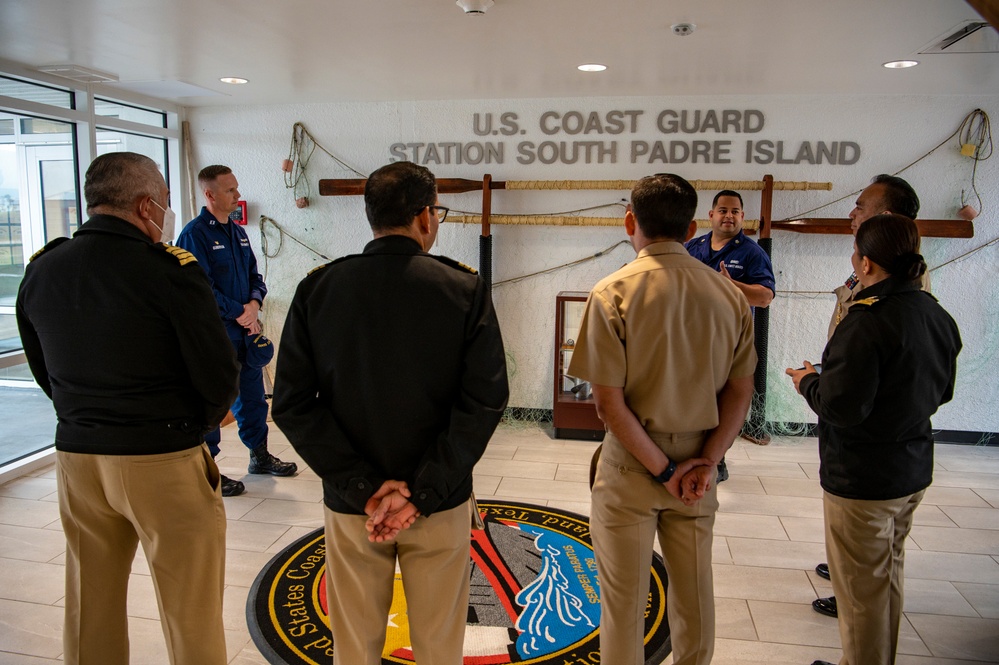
667, 474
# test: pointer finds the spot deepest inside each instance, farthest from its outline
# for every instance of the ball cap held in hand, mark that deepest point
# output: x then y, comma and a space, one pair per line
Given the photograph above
259, 351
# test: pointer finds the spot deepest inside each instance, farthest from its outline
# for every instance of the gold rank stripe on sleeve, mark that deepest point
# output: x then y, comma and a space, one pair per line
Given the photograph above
181, 254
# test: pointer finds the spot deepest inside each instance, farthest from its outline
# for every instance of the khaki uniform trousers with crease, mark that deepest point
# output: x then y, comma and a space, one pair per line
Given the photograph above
434, 559
865, 543
172, 504
629, 510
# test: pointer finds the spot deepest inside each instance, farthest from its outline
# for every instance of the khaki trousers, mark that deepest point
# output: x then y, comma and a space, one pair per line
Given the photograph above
629, 509
433, 555
172, 504
865, 543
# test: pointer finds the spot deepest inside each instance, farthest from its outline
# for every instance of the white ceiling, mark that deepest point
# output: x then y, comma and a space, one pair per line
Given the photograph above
353, 50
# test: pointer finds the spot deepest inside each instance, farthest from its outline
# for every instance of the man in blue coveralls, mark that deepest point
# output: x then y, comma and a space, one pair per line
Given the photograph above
224, 251
735, 256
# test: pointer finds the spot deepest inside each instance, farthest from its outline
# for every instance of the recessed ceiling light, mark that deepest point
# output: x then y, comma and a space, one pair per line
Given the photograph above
900, 64
592, 67
234, 80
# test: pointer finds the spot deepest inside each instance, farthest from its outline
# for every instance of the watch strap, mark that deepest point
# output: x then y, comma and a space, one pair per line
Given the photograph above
667, 474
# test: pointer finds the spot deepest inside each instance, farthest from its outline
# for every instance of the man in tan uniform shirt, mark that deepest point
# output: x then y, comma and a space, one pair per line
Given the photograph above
886, 193
667, 343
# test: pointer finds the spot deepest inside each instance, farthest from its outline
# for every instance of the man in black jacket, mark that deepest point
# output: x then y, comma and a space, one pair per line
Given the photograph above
122, 333
390, 381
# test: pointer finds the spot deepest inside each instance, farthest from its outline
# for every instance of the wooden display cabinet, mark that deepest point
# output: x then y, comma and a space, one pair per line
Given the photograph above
572, 417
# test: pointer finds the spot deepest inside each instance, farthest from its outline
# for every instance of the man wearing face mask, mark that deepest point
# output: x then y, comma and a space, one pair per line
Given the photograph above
121, 332
224, 251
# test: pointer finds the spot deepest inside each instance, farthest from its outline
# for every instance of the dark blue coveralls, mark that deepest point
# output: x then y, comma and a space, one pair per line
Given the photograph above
224, 251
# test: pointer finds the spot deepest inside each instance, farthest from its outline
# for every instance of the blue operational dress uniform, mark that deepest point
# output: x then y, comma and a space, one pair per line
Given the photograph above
744, 260
224, 251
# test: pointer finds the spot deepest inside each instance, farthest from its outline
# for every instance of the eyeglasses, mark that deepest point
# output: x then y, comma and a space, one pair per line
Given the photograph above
440, 211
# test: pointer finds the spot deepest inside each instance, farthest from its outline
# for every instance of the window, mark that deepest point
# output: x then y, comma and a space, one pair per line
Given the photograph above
46, 144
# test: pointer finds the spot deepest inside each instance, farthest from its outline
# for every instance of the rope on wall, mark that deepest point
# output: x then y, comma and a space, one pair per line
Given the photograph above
747, 185
964, 123
566, 220
563, 266
975, 138
303, 145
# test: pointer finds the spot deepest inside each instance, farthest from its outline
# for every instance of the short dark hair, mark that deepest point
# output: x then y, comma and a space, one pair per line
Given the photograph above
117, 179
209, 174
899, 198
664, 205
726, 192
892, 242
396, 193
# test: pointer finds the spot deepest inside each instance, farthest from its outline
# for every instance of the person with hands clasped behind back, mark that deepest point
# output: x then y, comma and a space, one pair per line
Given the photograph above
667, 343
391, 381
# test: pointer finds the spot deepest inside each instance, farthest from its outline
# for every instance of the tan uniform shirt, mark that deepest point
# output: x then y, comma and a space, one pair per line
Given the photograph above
845, 295
671, 331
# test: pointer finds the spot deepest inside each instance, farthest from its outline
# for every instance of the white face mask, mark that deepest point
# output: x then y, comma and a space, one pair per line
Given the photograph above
169, 223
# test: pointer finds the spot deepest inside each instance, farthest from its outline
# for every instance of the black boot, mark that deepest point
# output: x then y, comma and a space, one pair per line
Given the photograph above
262, 461
232, 487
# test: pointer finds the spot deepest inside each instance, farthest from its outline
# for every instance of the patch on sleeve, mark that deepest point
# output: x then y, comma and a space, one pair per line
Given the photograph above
51, 245
182, 255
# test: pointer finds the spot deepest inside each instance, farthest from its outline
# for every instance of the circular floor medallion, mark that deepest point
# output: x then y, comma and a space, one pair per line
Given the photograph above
528, 560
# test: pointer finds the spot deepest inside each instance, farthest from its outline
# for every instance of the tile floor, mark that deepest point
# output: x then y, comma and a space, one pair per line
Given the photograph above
768, 538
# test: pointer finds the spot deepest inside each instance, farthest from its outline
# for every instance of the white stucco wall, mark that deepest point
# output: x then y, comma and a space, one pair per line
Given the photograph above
892, 131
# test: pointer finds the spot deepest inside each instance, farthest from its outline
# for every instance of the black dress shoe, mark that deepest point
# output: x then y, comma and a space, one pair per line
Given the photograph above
822, 662
822, 570
825, 606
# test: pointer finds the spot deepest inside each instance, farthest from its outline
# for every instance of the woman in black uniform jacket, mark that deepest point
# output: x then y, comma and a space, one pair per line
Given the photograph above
888, 367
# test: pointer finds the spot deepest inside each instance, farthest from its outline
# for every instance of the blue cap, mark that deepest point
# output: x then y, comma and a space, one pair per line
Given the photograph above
259, 351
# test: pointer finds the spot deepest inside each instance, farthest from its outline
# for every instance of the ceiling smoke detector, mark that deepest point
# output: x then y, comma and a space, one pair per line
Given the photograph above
474, 7
683, 29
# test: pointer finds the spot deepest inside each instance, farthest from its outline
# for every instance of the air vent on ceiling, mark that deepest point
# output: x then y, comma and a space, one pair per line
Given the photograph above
79, 74
968, 37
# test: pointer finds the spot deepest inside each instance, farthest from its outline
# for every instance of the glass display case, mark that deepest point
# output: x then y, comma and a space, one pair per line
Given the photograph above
574, 413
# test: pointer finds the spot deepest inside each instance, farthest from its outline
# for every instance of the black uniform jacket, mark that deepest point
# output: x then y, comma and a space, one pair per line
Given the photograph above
391, 367
885, 371
124, 336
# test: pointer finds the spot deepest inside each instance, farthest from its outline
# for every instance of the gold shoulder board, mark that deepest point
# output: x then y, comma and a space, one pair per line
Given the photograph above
179, 253
47, 247
319, 267
454, 264
867, 302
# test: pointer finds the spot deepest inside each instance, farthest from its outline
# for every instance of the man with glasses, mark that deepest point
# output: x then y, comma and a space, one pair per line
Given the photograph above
223, 250
390, 382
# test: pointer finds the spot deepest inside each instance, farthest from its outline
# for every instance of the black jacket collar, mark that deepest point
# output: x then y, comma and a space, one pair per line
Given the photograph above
114, 226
